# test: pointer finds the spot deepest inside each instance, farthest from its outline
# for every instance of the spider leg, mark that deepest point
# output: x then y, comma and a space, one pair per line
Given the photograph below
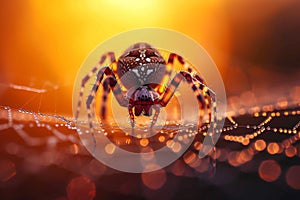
170, 90
168, 72
185, 65
211, 97
204, 96
110, 83
111, 80
130, 111
154, 119
208, 94
108, 72
110, 55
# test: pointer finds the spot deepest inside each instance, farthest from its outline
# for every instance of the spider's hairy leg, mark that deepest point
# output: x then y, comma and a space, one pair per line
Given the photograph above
87, 77
155, 116
196, 78
208, 95
210, 98
170, 62
169, 92
214, 110
186, 65
207, 99
130, 111
172, 56
169, 68
110, 83
205, 96
107, 71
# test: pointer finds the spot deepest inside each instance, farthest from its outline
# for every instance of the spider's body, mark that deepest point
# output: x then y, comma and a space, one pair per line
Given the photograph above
144, 73
141, 59
141, 68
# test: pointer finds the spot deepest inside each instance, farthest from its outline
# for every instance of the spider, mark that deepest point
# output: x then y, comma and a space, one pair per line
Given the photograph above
143, 72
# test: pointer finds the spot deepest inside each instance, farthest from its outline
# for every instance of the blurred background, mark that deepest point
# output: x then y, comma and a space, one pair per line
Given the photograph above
254, 43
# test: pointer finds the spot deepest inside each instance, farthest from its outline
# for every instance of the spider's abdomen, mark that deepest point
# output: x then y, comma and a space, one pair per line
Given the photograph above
141, 64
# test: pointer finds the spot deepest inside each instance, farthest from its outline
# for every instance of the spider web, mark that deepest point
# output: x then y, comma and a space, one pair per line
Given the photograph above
255, 135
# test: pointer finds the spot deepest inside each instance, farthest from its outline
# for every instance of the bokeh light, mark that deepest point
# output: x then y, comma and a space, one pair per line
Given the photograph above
273, 148
269, 170
293, 177
290, 151
260, 145
81, 188
44, 43
154, 180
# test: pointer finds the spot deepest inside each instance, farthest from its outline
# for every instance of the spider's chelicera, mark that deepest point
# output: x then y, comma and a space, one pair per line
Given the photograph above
146, 76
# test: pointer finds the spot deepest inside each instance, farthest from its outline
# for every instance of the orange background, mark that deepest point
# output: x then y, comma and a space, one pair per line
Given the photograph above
45, 42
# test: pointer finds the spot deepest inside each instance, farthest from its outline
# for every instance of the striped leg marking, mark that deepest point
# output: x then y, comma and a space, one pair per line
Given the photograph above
110, 55
130, 111
103, 71
205, 96
169, 92
110, 83
210, 97
155, 117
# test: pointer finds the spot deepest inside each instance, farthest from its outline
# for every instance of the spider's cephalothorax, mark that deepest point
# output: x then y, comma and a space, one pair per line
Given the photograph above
143, 71
139, 65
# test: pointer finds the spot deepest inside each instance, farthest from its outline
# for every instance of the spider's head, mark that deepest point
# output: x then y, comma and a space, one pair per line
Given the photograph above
143, 98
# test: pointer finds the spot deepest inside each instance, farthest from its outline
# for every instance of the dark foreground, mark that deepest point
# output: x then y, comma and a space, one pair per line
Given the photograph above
45, 160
